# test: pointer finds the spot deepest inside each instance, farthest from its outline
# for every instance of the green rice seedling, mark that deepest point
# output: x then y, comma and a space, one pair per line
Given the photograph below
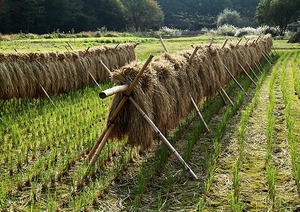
271, 177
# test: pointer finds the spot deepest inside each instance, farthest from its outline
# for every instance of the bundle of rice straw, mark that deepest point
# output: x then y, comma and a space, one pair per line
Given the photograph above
24, 75
164, 90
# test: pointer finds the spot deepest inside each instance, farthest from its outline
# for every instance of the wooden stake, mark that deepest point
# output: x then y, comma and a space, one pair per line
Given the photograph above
247, 74
231, 75
193, 54
163, 44
105, 67
257, 67
258, 38
98, 146
252, 71
267, 59
47, 95
200, 115
87, 51
274, 50
16, 50
238, 43
247, 40
224, 43
226, 95
117, 45
223, 98
211, 42
94, 79
113, 90
164, 139
71, 47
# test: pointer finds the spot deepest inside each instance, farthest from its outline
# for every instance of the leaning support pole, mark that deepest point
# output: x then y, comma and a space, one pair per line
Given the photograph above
251, 69
193, 54
163, 44
105, 67
274, 50
244, 70
226, 95
98, 146
47, 95
94, 79
200, 115
113, 90
238, 43
225, 42
234, 79
211, 42
257, 67
163, 138
70, 46
266, 58
267, 55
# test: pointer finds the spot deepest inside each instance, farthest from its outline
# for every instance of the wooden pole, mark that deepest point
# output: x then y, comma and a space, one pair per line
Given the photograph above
231, 75
87, 51
257, 67
258, 38
98, 146
200, 115
260, 65
94, 79
247, 40
225, 42
163, 44
274, 50
71, 47
247, 74
47, 95
223, 98
193, 54
117, 45
269, 57
264, 55
164, 139
113, 90
238, 43
251, 69
211, 42
227, 97
105, 67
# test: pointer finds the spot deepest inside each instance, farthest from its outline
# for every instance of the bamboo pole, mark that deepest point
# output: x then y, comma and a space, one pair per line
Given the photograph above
238, 43
45, 92
264, 55
247, 74
225, 42
193, 54
87, 51
163, 44
234, 79
105, 67
200, 115
258, 38
47, 95
71, 47
260, 65
211, 42
117, 45
227, 97
94, 79
113, 90
251, 69
274, 50
257, 67
247, 40
164, 139
223, 98
270, 58
98, 146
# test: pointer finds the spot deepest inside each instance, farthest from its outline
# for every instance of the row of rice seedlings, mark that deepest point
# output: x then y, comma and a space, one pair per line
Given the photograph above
270, 169
231, 111
290, 128
295, 69
60, 155
234, 200
209, 108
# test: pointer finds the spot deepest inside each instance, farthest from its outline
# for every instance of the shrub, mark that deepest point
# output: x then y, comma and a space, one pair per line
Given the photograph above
226, 30
230, 17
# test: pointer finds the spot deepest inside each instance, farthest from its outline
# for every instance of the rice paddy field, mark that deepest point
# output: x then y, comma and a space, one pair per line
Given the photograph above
249, 161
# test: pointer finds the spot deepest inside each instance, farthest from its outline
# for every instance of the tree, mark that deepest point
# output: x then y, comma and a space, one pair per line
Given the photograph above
143, 14
230, 17
277, 12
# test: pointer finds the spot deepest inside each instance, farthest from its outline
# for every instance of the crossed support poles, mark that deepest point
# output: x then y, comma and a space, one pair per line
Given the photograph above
97, 148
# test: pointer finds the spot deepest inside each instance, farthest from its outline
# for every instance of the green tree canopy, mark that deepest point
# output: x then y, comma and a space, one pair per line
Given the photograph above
143, 14
277, 12
228, 16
